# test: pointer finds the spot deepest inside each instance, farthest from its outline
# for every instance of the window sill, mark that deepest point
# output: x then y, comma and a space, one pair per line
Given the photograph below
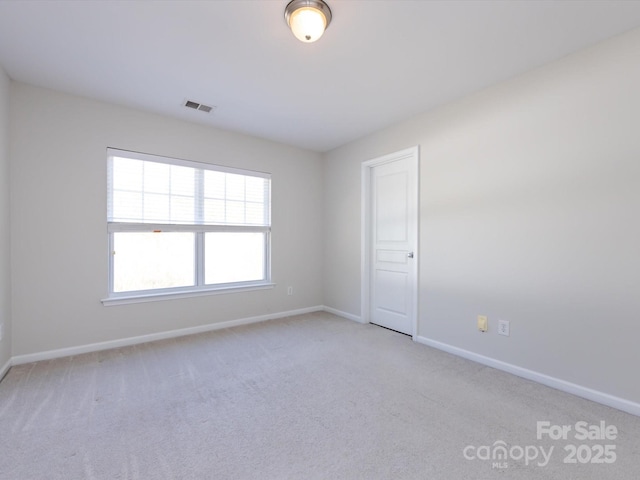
155, 297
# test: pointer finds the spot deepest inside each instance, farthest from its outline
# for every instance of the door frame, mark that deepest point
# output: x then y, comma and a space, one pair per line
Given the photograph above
413, 156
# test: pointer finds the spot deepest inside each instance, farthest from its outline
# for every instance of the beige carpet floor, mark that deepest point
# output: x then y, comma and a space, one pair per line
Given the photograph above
307, 397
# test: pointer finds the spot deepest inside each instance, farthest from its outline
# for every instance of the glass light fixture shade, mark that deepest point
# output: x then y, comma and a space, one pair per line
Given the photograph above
307, 24
307, 19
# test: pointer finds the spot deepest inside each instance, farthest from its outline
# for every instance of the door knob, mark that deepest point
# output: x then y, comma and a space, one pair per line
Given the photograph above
410, 255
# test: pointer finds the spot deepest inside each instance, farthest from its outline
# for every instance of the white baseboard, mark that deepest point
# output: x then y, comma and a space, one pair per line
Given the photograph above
5, 368
562, 385
123, 342
340, 313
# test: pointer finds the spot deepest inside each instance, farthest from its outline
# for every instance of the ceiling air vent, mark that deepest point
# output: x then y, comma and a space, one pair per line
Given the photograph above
198, 106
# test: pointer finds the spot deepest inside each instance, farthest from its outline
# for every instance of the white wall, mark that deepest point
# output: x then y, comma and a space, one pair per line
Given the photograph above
529, 211
58, 226
5, 236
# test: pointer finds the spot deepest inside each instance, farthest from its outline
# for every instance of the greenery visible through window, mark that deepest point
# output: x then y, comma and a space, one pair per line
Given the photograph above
178, 226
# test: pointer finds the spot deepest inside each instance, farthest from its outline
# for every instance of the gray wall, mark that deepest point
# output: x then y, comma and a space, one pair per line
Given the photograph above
58, 224
5, 236
530, 199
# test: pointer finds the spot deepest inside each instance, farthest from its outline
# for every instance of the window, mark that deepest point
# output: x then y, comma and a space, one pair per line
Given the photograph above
179, 227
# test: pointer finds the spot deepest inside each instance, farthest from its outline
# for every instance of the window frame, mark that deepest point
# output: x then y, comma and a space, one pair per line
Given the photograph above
199, 230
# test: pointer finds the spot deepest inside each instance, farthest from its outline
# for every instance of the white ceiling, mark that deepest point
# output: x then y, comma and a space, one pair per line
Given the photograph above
378, 63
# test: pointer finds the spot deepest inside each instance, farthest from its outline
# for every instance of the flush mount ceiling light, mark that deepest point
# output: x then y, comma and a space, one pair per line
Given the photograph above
307, 19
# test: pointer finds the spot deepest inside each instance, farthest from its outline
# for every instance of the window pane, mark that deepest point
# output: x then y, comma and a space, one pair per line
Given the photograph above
157, 177
235, 213
126, 205
156, 207
234, 257
255, 214
255, 189
214, 184
151, 192
127, 174
181, 209
182, 180
214, 211
144, 261
235, 199
235, 187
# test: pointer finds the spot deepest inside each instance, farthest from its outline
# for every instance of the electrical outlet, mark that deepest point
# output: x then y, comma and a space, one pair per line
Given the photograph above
289, 290
503, 327
483, 323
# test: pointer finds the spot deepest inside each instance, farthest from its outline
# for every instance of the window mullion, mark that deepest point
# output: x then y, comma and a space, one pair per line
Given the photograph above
198, 205
199, 258
111, 260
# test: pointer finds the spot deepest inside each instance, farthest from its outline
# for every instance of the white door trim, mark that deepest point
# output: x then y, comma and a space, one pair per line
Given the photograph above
412, 155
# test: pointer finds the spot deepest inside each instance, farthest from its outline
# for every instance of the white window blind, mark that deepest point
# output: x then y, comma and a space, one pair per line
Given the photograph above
148, 190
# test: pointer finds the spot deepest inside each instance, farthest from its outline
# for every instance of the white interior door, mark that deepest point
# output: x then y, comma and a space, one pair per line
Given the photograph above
391, 220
